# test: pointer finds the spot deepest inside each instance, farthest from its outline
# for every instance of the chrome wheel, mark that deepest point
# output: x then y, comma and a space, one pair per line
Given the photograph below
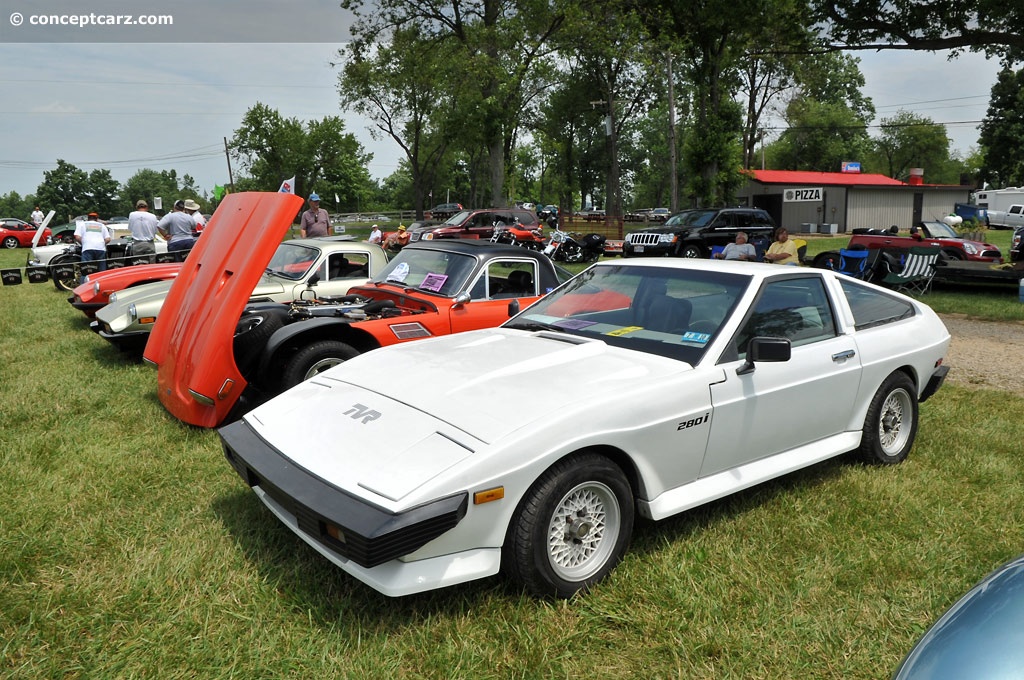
893, 432
583, 531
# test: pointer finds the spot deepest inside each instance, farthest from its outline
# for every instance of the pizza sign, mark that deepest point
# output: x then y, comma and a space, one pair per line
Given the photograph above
808, 194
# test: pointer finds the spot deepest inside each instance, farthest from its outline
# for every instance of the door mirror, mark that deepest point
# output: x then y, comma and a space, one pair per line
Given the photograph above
513, 307
765, 349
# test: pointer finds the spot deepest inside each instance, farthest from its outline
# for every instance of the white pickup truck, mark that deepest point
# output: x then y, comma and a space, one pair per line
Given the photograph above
1007, 219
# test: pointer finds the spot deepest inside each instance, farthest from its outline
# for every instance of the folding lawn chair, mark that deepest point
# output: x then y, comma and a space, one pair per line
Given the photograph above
854, 263
917, 272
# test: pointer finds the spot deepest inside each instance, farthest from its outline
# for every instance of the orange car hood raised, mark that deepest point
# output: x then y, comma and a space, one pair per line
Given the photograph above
191, 342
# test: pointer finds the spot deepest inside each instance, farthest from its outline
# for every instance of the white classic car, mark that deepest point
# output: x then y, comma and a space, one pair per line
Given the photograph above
654, 386
338, 263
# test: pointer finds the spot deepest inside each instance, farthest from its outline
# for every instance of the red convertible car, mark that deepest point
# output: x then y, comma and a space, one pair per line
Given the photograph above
15, 233
95, 292
210, 343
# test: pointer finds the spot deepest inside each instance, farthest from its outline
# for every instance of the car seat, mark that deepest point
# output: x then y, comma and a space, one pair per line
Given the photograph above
667, 314
520, 283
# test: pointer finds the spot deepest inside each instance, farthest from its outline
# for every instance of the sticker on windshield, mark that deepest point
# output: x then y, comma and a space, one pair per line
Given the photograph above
626, 330
573, 324
399, 273
433, 282
699, 338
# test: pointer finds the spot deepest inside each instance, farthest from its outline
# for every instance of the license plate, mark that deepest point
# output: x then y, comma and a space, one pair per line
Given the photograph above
638, 249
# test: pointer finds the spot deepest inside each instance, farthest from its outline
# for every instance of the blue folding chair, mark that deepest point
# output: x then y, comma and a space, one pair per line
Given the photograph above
715, 250
854, 263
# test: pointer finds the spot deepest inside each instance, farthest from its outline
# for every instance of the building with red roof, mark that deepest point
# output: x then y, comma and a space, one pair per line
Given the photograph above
838, 202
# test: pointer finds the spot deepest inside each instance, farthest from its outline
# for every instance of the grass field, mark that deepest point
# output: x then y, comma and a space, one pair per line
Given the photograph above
129, 548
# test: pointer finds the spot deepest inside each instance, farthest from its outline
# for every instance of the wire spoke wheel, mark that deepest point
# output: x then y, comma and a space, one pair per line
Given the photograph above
892, 431
583, 531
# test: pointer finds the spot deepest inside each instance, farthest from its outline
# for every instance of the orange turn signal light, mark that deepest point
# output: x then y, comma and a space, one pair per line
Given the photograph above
488, 495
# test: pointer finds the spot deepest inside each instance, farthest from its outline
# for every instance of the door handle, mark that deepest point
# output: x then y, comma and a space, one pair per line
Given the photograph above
843, 356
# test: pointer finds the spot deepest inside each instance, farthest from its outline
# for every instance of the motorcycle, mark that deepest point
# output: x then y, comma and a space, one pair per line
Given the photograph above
518, 235
562, 247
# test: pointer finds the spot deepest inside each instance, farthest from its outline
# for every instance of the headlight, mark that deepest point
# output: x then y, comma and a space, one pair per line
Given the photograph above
132, 314
970, 249
429, 236
666, 238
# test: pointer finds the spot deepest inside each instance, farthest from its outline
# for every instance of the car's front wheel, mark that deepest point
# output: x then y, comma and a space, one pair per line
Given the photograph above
572, 527
891, 423
315, 359
10, 242
692, 251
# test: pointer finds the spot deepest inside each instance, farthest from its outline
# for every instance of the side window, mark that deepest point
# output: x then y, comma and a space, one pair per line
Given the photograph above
797, 309
506, 279
873, 307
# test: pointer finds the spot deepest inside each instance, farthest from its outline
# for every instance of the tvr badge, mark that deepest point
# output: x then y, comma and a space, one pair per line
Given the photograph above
363, 413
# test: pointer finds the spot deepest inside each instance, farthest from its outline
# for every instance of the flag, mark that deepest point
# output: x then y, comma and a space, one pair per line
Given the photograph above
287, 186
337, 201
218, 192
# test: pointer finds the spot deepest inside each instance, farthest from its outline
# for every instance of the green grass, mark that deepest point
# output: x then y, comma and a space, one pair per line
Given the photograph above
129, 548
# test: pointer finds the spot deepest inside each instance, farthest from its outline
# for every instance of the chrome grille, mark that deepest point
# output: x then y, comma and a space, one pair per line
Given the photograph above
643, 239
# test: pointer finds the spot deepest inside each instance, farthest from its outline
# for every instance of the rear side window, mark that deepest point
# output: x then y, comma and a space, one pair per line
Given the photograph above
873, 307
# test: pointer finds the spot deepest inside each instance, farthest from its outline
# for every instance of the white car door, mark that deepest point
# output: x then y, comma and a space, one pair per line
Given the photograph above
779, 406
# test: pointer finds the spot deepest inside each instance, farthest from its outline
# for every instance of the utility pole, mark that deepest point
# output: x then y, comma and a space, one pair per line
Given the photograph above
231, 180
673, 161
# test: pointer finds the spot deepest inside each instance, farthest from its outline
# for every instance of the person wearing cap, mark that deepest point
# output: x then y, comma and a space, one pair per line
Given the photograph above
375, 235
315, 221
192, 208
142, 225
177, 227
94, 236
398, 239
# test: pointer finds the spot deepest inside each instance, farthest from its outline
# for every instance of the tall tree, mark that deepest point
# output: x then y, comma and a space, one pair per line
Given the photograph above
909, 140
65, 189
498, 41
1002, 131
103, 193
149, 184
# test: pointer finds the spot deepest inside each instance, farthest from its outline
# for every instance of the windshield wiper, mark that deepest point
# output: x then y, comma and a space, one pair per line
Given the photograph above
533, 326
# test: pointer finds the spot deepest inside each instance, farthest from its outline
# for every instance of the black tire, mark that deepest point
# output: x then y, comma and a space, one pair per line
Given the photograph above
10, 243
829, 260
65, 281
572, 527
953, 254
692, 251
251, 335
891, 423
314, 359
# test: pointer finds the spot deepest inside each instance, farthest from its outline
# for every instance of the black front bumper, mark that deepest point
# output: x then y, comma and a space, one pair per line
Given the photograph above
349, 526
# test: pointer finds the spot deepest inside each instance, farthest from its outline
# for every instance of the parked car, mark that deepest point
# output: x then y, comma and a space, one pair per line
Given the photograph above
474, 224
932, 233
95, 291
547, 212
981, 636
443, 211
1016, 248
670, 398
659, 214
693, 233
15, 233
299, 268
63, 261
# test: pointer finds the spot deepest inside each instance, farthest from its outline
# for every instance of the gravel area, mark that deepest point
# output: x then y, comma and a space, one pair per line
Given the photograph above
985, 354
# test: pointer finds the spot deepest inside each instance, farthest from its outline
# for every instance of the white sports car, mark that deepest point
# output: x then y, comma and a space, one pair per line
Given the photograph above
643, 386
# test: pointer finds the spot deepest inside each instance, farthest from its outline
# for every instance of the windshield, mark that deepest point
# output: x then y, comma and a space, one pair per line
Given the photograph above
457, 219
437, 272
686, 218
666, 311
941, 230
292, 261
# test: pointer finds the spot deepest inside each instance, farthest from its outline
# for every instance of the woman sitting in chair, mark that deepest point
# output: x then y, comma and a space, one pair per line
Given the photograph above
783, 250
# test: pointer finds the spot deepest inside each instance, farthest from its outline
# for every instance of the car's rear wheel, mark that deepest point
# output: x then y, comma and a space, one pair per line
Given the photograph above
572, 527
891, 424
10, 242
953, 254
315, 359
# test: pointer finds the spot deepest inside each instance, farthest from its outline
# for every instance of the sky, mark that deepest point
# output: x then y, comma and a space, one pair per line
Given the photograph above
125, 106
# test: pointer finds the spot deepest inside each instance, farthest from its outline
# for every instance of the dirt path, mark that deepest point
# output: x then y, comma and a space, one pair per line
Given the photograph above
985, 354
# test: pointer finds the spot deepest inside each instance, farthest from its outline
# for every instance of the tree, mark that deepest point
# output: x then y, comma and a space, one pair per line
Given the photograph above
14, 205
909, 140
989, 26
495, 43
404, 88
65, 189
149, 184
1002, 132
103, 193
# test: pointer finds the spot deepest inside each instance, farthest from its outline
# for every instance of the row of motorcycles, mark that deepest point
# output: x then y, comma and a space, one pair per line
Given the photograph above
561, 247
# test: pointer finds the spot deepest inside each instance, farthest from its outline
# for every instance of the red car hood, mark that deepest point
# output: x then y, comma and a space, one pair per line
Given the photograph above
113, 280
191, 342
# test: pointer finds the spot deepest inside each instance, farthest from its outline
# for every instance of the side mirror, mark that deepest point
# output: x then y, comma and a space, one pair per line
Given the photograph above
313, 280
513, 307
765, 349
462, 298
